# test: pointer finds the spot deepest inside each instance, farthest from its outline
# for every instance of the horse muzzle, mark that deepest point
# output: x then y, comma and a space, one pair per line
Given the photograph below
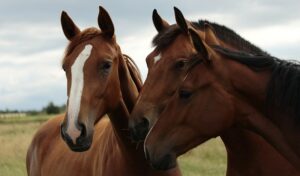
82, 143
139, 129
165, 162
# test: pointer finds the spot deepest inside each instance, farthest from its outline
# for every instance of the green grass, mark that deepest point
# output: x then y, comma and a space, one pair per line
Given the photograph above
26, 119
15, 137
16, 133
209, 159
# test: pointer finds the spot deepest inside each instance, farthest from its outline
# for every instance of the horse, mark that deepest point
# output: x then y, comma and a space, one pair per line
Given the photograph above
100, 80
224, 89
169, 63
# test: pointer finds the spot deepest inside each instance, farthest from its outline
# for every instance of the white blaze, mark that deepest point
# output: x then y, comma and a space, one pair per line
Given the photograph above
157, 58
76, 91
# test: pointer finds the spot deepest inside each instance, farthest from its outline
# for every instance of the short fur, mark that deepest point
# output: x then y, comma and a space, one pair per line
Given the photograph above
284, 85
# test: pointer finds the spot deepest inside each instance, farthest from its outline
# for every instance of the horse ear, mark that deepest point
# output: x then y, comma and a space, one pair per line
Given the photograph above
180, 20
198, 44
158, 22
69, 27
105, 23
210, 37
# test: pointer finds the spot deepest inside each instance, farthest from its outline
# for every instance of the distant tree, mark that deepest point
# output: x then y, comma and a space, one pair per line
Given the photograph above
32, 112
62, 108
52, 109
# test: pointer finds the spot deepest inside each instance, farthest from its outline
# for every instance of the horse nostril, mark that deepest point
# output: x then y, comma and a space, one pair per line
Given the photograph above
62, 130
82, 129
64, 135
139, 130
144, 123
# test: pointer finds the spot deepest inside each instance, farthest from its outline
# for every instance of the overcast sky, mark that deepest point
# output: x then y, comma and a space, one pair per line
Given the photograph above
32, 42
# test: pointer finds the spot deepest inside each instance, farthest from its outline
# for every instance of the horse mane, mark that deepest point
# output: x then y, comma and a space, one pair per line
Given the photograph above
134, 71
254, 61
284, 84
166, 37
229, 36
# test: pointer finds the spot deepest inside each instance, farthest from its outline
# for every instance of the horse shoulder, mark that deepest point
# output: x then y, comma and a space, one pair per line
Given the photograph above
40, 145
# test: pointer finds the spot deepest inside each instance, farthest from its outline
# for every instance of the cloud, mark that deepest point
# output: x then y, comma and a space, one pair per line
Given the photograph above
25, 78
138, 46
32, 43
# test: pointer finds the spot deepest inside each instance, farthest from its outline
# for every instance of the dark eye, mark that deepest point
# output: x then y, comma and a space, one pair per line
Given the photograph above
184, 94
106, 66
180, 64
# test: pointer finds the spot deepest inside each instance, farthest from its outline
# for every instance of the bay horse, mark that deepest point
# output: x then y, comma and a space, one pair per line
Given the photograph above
100, 80
224, 89
169, 63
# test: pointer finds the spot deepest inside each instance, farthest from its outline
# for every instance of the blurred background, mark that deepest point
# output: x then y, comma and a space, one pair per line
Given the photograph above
33, 85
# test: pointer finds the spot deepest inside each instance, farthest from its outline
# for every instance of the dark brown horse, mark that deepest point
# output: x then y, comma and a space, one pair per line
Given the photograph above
228, 89
101, 80
169, 63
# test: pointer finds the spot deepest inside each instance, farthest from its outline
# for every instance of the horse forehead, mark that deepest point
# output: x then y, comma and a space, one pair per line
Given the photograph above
157, 58
82, 57
177, 50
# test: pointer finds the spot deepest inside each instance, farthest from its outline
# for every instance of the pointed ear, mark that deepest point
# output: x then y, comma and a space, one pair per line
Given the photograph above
198, 44
210, 37
180, 20
105, 23
69, 27
158, 22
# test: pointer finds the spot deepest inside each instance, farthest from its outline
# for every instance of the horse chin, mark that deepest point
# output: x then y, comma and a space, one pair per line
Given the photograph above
82, 148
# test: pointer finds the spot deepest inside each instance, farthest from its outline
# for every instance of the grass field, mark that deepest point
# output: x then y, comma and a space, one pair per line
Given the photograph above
16, 133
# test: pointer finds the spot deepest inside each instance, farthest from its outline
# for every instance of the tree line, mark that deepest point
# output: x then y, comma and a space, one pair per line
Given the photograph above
50, 108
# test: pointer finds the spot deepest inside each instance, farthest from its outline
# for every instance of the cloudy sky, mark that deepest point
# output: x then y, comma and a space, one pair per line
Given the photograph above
32, 42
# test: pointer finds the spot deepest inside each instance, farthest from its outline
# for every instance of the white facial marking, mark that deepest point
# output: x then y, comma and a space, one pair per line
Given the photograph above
157, 58
76, 91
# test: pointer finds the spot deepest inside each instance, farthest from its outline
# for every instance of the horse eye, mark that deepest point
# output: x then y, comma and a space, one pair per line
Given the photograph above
180, 64
106, 65
184, 94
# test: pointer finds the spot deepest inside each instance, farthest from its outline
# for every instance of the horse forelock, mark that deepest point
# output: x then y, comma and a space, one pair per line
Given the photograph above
84, 36
166, 37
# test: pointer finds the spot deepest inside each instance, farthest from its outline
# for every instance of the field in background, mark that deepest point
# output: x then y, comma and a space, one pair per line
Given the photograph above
16, 134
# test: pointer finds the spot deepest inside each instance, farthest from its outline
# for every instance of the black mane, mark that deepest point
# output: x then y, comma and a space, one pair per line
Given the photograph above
283, 90
166, 37
254, 61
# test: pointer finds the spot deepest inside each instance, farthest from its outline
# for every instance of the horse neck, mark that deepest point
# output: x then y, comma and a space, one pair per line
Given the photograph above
120, 115
249, 153
249, 92
119, 120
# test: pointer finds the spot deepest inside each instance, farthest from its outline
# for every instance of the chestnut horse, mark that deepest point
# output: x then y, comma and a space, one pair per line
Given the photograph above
226, 89
247, 153
100, 80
